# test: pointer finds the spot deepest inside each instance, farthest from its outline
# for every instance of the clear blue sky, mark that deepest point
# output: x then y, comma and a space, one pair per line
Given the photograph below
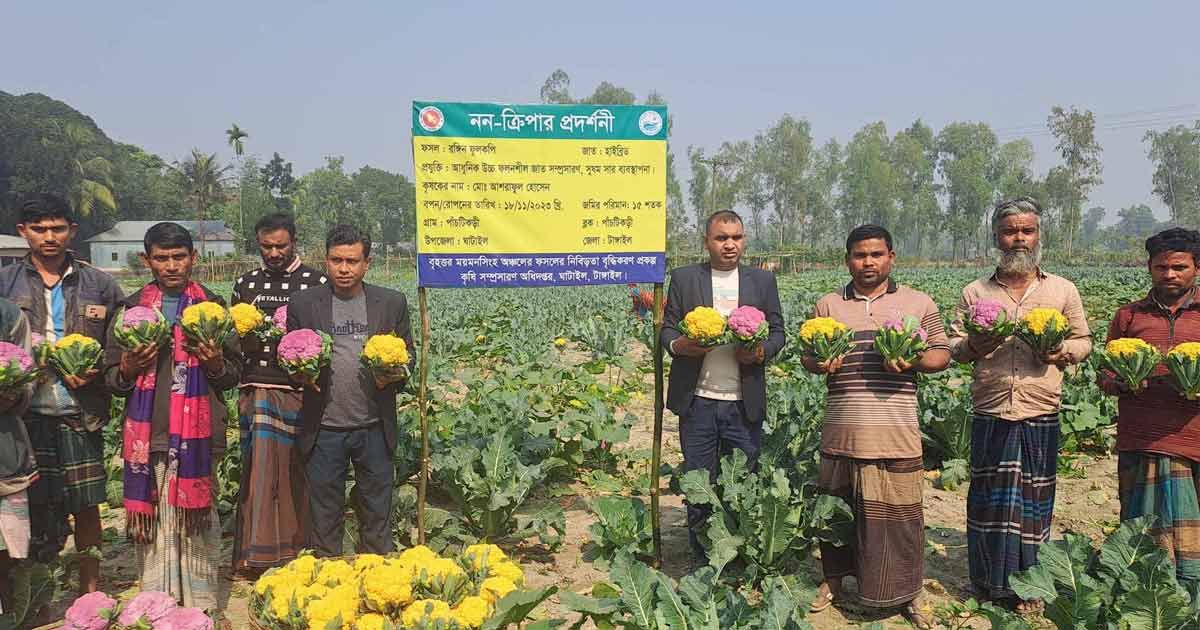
309, 79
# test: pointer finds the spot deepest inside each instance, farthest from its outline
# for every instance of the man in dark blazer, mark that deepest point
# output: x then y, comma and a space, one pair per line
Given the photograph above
349, 415
719, 393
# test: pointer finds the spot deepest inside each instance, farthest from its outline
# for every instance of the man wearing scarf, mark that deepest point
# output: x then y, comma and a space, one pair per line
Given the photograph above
174, 430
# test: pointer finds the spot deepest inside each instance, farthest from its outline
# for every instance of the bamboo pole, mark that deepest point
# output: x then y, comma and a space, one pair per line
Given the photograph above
656, 453
422, 410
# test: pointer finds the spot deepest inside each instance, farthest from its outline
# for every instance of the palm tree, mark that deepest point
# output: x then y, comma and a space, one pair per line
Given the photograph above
91, 178
203, 181
234, 135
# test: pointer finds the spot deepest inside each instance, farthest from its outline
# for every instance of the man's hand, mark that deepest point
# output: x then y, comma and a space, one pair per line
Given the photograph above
822, 367
384, 380
897, 366
75, 382
688, 347
304, 380
138, 360
209, 355
983, 345
1057, 357
1114, 386
750, 356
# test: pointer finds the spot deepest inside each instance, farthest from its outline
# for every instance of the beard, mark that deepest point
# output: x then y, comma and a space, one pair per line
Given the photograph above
1020, 261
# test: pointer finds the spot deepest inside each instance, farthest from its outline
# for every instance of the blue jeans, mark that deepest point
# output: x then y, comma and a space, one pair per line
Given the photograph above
333, 452
710, 430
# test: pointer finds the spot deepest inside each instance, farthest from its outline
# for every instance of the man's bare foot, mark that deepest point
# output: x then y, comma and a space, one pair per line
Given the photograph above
915, 616
1029, 607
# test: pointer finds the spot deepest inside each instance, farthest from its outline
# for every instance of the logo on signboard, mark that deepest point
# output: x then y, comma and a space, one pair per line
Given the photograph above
650, 123
431, 118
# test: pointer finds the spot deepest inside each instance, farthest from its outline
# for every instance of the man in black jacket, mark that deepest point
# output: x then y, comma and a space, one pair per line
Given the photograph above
62, 295
348, 415
719, 393
272, 506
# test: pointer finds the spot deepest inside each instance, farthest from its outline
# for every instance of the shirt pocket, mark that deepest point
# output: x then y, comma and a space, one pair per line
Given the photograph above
91, 316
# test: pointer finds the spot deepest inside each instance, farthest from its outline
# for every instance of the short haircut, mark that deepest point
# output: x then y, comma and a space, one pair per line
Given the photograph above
1017, 205
276, 221
46, 206
866, 233
723, 216
342, 234
167, 235
1176, 239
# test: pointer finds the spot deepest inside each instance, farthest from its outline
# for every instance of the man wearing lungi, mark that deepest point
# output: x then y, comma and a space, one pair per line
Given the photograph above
1016, 395
870, 440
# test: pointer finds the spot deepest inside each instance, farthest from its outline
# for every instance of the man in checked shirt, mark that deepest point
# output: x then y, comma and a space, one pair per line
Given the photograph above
270, 526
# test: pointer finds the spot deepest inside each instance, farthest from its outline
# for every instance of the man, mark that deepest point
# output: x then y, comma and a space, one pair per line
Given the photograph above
270, 525
719, 393
1016, 395
1158, 431
348, 415
871, 441
174, 429
18, 467
62, 295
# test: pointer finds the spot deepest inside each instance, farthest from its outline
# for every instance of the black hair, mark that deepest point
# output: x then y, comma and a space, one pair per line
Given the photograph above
46, 206
724, 216
342, 234
1176, 239
276, 221
866, 233
167, 235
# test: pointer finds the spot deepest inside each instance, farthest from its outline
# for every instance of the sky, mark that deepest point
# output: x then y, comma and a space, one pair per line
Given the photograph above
314, 79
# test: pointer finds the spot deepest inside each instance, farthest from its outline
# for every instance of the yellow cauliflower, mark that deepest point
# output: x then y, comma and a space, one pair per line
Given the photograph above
430, 609
1038, 318
246, 318
481, 556
824, 326
1190, 349
1127, 346
75, 339
704, 324
386, 350
495, 588
471, 612
207, 310
509, 571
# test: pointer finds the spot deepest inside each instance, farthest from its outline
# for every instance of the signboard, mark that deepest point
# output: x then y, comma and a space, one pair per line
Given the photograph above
539, 195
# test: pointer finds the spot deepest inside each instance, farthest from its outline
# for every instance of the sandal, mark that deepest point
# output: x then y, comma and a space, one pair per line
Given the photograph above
824, 599
1030, 607
912, 612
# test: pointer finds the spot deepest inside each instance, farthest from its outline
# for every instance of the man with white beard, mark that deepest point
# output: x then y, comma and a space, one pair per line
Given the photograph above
1016, 395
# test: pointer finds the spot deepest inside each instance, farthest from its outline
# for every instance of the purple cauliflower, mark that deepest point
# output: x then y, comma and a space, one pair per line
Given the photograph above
90, 612
184, 619
745, 321
10, 354
984, 313
300, 345
280, 318
150, 605
140, 315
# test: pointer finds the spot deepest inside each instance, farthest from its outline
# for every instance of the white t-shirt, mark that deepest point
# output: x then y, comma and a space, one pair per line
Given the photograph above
720, 376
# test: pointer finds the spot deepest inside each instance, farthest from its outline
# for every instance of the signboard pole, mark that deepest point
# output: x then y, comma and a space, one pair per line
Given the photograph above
656, 453
423, 410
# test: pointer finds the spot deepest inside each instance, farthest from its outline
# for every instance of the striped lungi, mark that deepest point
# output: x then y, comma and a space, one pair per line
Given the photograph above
272, 504
14, 525
1166, 487
176, 562
71, 478
1011, 499
887, 554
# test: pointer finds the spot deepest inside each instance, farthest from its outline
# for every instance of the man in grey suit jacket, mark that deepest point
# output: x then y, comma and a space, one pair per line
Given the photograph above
719, 393
348, 415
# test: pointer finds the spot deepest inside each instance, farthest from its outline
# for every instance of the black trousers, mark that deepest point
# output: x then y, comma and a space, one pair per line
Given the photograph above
325, 470
710, 430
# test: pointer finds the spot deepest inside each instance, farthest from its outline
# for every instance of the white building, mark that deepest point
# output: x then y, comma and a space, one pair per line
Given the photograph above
111, 249
12, 249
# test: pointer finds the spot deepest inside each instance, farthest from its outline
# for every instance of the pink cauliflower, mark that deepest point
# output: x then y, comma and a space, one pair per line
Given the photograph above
89, 612
10, 354
37, 339
745, 321
150, 605
897, 324
184, 619
299, 345
280, 318
139, 315
984, 313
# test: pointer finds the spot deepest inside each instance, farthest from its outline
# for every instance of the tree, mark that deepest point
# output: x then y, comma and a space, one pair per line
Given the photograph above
253, 202
966, 157
202, 179
1091, 225
234, 136
325, 197
387, 200
91, 174
277, 179
869, 183
698, 187
1176, 156
1075, 132
914, 158
786, 154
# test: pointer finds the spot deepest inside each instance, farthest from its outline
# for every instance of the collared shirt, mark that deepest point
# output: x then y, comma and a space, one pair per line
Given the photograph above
1158, 419
52, 397
871, 413
1012, 383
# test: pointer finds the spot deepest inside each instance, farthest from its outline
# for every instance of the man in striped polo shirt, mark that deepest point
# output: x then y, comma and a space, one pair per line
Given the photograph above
1158, 430
870, 442
270, 527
